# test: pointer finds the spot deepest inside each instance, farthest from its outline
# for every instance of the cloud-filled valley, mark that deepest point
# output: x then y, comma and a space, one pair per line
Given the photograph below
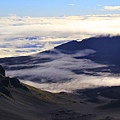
56, 72
57, 69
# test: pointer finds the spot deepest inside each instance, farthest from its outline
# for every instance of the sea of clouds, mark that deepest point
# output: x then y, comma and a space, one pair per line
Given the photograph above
30, 35
27, 35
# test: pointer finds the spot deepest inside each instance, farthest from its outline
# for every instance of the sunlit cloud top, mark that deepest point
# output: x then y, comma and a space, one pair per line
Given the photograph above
112, 8
71, 4
26, 35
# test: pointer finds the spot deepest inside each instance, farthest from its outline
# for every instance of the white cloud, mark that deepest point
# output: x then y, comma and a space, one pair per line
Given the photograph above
71, 4
112, 7
79, 83
44, 33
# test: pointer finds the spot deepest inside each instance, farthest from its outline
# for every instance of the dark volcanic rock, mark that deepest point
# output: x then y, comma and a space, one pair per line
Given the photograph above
7, 82
5, 91
16, 83
2, 71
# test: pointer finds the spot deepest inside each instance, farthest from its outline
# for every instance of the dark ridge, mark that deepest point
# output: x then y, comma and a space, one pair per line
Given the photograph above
99, 44
70, 46
107, 49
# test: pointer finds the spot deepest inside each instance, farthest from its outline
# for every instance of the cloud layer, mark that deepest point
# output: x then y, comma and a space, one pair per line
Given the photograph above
81, 82
58, 74
112, 8
26, 35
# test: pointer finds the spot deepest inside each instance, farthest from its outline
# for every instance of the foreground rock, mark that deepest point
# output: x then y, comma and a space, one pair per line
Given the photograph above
7, 82
23, 102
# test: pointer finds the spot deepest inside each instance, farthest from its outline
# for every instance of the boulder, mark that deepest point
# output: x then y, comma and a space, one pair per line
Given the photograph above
17, 84
2, 71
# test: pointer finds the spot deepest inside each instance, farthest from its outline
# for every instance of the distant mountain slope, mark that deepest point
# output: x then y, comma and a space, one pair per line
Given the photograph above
100, 44
107, 48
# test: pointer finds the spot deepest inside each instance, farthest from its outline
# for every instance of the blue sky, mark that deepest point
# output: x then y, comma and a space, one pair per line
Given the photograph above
50, 8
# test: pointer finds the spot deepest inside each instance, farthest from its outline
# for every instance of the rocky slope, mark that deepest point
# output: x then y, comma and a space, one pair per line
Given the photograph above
22, 102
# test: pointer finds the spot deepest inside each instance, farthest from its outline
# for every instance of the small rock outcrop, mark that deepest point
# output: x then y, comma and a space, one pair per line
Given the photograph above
2, 71
16, 83
7, 82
